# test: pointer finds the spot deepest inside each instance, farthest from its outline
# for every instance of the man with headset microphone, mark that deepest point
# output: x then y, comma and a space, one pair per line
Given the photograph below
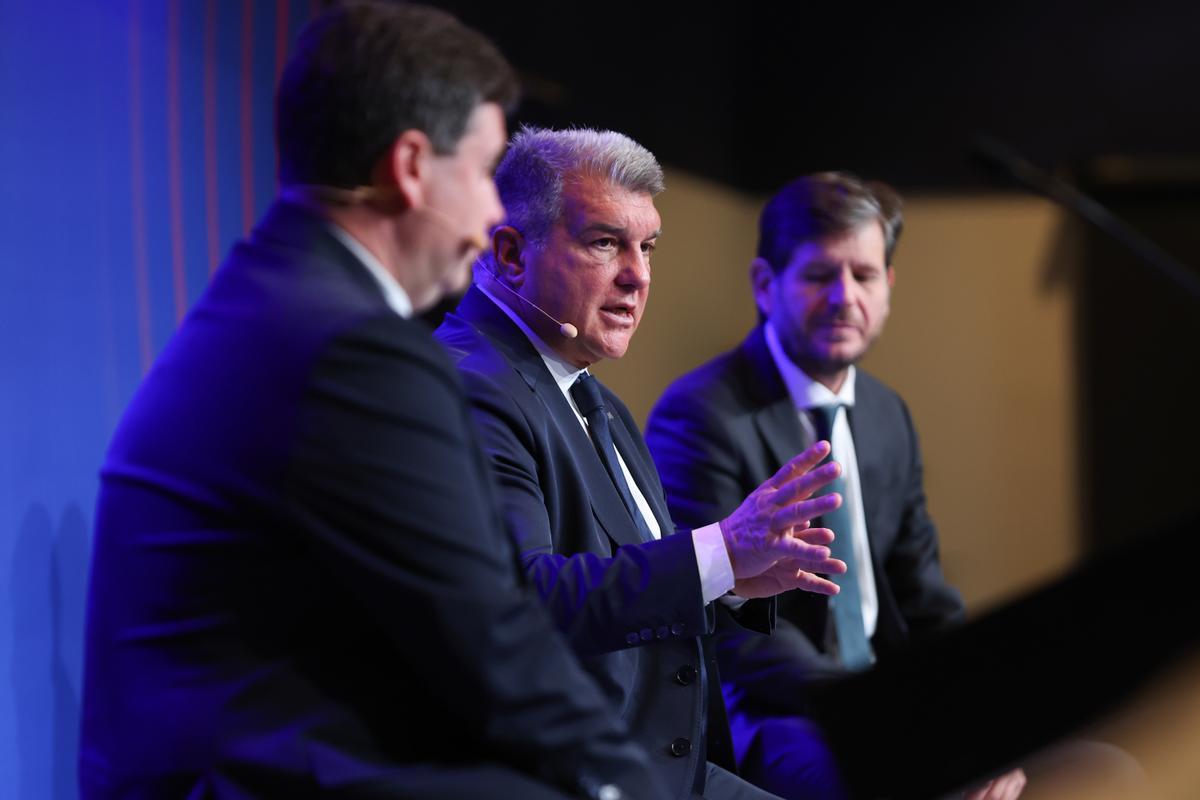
563, 286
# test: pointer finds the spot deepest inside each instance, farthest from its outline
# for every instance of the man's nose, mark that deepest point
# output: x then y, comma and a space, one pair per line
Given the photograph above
841, 287
635, 269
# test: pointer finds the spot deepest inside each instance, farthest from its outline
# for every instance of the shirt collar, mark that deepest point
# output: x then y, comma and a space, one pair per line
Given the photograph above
805, 392
564, 372
393, 293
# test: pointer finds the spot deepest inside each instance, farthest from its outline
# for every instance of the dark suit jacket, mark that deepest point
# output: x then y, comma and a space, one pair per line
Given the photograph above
634, 608
301, 580
721, 430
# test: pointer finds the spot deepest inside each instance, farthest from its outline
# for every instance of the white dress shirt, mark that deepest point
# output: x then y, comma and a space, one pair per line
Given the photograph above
806, 394
712, 559
393, 293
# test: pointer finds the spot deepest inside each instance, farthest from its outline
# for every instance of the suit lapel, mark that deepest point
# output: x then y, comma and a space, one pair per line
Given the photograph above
607, 506
775, 413
643, 474
868, 450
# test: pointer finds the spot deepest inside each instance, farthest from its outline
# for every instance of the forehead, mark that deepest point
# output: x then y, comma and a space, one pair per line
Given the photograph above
861, 245
591, 201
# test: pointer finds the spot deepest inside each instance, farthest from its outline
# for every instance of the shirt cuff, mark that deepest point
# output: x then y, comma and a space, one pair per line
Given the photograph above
712, 559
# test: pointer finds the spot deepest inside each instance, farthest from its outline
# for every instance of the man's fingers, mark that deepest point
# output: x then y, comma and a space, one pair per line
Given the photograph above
797, 514
803, 486
799, 465
811, 582
811, 557
1009, 785
812, 535
1005, 787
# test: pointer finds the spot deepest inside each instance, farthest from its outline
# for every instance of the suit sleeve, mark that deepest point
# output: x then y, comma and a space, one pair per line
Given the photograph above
913, 566
387, 478
600, 603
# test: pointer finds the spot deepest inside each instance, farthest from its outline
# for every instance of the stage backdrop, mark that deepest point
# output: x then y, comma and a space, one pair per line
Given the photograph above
135, 146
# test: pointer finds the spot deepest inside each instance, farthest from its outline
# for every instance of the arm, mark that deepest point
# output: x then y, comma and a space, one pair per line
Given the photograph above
393, 492
596, 600
602, 602
705, 476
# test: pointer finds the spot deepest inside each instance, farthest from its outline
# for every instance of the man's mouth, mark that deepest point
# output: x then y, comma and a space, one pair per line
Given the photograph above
838, 329
620, 313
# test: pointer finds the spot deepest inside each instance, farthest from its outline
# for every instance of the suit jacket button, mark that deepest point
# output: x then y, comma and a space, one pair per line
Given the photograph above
685, 675
680, 747
677, 628
631, 637
662, 632
647, 634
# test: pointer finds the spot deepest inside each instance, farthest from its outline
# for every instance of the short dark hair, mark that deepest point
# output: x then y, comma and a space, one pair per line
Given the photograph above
826, 204
365, 72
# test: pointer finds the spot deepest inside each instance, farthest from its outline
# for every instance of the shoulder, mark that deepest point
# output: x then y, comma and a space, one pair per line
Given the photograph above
720, 381
717, 393
482, 365
870, 392
396, 355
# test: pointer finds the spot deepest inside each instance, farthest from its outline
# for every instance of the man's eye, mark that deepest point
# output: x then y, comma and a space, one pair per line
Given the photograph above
648, 247
607, 243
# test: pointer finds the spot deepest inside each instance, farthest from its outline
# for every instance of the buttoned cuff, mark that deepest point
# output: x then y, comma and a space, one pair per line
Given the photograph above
712, 559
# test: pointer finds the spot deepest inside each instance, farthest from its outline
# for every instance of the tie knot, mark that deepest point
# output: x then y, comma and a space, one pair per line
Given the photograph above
586, 391
823, 417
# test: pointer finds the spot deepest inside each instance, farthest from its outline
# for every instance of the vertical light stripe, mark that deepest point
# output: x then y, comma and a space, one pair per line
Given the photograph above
138, 188
211, 164
247, 115
175, 161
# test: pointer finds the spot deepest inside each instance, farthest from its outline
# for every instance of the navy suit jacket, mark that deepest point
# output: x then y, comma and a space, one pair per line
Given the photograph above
302, 582
723, 429
633, 608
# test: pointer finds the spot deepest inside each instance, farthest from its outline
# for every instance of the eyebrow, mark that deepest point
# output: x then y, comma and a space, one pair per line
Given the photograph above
616, 230
822, 263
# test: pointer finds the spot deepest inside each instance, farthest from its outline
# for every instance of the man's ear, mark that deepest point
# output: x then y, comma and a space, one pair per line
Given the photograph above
891, 277
403, 171
762, 277
508, 252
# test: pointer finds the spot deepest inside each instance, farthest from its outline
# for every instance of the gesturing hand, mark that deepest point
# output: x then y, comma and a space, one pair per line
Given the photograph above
771, 526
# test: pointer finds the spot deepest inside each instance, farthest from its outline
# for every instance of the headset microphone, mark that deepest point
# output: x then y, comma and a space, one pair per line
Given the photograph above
568, 330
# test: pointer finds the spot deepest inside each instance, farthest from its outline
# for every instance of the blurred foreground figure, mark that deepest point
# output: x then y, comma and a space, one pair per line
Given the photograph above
302, 584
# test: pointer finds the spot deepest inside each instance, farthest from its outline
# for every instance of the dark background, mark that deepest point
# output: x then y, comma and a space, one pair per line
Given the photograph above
1102, 95
749, 93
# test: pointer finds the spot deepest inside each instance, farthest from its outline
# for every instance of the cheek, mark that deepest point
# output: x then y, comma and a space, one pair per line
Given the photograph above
799, 306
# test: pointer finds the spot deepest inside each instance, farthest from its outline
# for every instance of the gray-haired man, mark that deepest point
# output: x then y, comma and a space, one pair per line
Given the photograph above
564, 286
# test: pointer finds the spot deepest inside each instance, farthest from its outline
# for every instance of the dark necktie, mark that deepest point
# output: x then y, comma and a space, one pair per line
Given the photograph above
586, 392
853, 648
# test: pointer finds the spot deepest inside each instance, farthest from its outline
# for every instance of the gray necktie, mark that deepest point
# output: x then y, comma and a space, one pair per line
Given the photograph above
853, 648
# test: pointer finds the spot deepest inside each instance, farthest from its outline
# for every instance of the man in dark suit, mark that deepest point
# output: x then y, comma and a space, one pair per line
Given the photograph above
822, 282
564, 286
302, 584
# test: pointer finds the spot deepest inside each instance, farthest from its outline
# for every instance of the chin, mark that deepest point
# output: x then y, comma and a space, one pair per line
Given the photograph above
616, 350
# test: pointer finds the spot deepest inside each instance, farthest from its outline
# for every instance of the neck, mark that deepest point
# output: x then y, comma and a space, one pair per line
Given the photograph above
378, 234
830, 380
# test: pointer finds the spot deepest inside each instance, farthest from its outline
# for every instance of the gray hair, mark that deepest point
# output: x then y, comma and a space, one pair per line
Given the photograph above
539, 161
